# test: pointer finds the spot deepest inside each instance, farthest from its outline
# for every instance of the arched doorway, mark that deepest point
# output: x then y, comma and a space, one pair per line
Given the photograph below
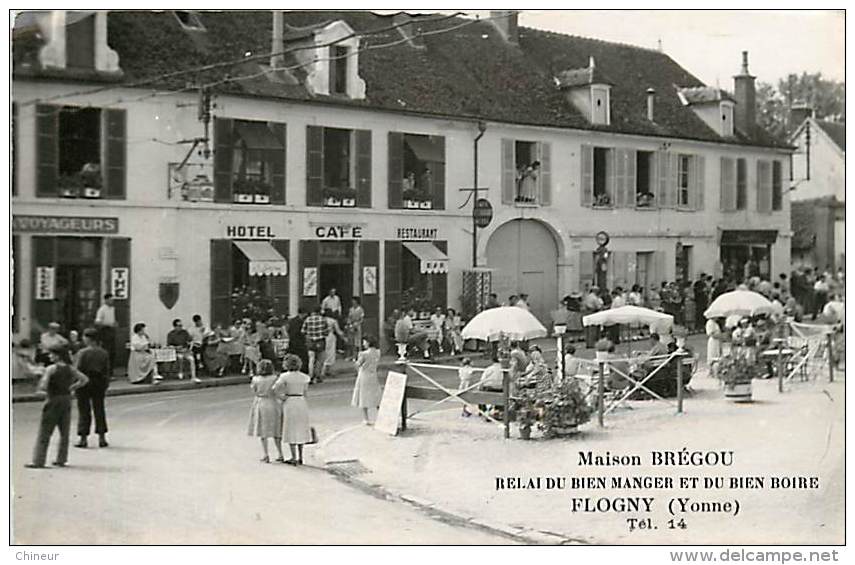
525, 258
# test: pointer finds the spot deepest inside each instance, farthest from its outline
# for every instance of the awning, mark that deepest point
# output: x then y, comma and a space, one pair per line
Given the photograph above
263, 258
424, 149
257, 135
432, 259
748, 237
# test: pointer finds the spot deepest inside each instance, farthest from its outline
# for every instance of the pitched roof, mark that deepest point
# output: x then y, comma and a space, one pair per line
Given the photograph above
836, 131
470, 72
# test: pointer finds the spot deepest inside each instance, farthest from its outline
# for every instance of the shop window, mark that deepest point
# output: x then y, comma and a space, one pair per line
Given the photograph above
644, 196
418, 290
80, 152
602, 196
242, 281
249, 162
741, 184
338, 69
419, 161
683, 180
777, 187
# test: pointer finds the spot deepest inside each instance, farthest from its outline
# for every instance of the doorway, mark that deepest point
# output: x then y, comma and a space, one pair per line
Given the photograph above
77, 291
339, 277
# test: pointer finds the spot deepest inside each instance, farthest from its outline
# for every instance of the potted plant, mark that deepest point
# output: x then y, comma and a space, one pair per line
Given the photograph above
348, 197
261, 190
411, 198
565, 408
70, 185
332, 197
736, 372
242, 191
425, 202
603, 201
90, 178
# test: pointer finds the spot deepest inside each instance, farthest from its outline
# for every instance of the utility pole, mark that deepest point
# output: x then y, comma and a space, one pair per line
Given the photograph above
482, 127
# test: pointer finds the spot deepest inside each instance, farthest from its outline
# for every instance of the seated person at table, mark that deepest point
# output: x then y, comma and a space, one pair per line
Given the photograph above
492, 380
406, 334
180, 339
47, 340
142, 366
572, 364
657, 348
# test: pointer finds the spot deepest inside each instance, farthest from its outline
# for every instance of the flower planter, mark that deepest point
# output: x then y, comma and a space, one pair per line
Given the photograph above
411, 204
206, 193
332, 201
91, 192
426, 205
241, 198
738, 391
348, 202
262, 199
69, 192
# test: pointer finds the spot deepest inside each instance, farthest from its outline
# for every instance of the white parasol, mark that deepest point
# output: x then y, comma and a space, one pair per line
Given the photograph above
512, 322
741, 302
628, 315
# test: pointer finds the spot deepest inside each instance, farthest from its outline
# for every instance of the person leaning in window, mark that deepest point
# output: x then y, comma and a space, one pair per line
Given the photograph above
59, 381
291, 387
180, 339
93, 362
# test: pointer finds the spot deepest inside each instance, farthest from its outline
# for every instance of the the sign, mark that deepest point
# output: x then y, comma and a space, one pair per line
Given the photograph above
44, 283
168, 293
338, 231
602, 238
417, 234
119, 282
310, 281
390, 405
748, 237
249, 232
369, 280
482, 213
64, 224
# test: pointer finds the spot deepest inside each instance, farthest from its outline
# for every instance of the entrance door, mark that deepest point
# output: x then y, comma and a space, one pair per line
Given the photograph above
534, 283
77, 291
339, 277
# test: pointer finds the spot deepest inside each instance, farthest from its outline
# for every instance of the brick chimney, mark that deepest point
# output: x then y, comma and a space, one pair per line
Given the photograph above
798, 113
744, 91
507, 23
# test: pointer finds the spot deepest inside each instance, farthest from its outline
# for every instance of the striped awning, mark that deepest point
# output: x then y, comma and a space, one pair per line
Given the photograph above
431, 258
263, 258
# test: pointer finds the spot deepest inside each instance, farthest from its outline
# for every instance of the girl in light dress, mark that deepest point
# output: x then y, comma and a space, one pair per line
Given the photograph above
291, 387
333, 333
265, 415
437, 321
453, 325
366, 390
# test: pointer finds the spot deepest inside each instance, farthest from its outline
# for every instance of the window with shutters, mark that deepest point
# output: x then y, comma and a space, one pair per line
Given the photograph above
256, 151
644, 195
528, 167
777, 186
741, 184
79, 172
339, 167
526, 173
419, 162
684, 181
603, 196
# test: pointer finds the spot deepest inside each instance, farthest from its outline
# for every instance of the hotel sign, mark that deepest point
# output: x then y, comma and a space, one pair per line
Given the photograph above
64, 224
243, 231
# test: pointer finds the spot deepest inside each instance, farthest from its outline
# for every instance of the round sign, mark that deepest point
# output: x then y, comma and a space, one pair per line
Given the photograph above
482, 213
602, 238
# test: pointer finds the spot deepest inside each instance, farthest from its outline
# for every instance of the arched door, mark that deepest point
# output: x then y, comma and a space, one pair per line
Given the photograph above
525, 258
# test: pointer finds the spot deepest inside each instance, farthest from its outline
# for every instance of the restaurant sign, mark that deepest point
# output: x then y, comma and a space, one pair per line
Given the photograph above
416, 234
64, 224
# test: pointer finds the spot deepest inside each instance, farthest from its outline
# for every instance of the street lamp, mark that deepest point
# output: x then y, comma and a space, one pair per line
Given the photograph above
560, 330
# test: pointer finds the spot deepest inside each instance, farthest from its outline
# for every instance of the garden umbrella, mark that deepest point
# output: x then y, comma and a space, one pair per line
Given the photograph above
512, 322
742, 302
627, 315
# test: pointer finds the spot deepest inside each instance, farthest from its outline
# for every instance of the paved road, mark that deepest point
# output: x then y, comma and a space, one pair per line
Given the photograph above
180, 469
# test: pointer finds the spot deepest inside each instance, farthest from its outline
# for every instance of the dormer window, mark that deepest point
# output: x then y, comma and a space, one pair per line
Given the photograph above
80, 40
600, 107
338, 69
713, 105
726, 119
589, 91
189, 20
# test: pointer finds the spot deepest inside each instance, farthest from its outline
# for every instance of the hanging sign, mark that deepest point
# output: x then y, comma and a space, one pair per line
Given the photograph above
310, 281
44, 283
482, 213
119, 282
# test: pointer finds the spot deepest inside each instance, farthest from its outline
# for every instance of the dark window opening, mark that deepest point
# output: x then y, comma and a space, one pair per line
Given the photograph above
777, 188
683, 180
80, 41
418, 289
255, 151
644, 168
338, 69
741, 184
601, 166
338, 158
528, 169
79, 150
420, 154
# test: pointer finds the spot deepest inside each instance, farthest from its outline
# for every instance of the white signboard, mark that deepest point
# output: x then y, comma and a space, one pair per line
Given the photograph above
369, 280
119, 283
44, 283
389, 413
310, 281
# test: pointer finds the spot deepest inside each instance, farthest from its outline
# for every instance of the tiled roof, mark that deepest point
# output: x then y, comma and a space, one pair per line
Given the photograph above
582, 77
705, 95
469, 72
836, 131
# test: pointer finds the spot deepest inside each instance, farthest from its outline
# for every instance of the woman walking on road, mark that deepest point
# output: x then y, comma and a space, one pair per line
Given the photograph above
291, 387
265, 416
366, 391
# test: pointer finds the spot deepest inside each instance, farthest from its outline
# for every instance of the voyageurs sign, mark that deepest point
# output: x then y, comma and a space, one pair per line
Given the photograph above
64, 224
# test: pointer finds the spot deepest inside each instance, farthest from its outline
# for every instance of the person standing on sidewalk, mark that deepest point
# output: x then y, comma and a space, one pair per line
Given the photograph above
296, 338
94, 362
59, 381
315, 330
105, 323
291, 387
366, 390
265, 415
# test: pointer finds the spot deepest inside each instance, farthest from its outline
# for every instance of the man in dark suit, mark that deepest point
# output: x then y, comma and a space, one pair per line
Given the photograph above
94, 362
296, 338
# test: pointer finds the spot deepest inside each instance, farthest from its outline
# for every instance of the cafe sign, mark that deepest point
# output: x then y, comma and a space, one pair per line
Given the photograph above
64, 224
338, 231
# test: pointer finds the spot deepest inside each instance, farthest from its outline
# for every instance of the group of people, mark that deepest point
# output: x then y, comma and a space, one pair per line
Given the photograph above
438, 333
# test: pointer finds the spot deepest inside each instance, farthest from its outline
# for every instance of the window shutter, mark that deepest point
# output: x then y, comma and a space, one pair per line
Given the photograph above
308, 258
673, 170
631, 176
620, 177
777, 186
440, 281
586, 183
223, 159
438, 173
764, 186
545, 151
279, 284
662, 171
392, 275
610, 175
43, 312
221, 282
314, 165
363, 168
369, 256
120, 257
586, 269
660, 264
509, 172
47, 149
396, 170
116, 121
15, 159
699, 166
278, 161
727, 199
